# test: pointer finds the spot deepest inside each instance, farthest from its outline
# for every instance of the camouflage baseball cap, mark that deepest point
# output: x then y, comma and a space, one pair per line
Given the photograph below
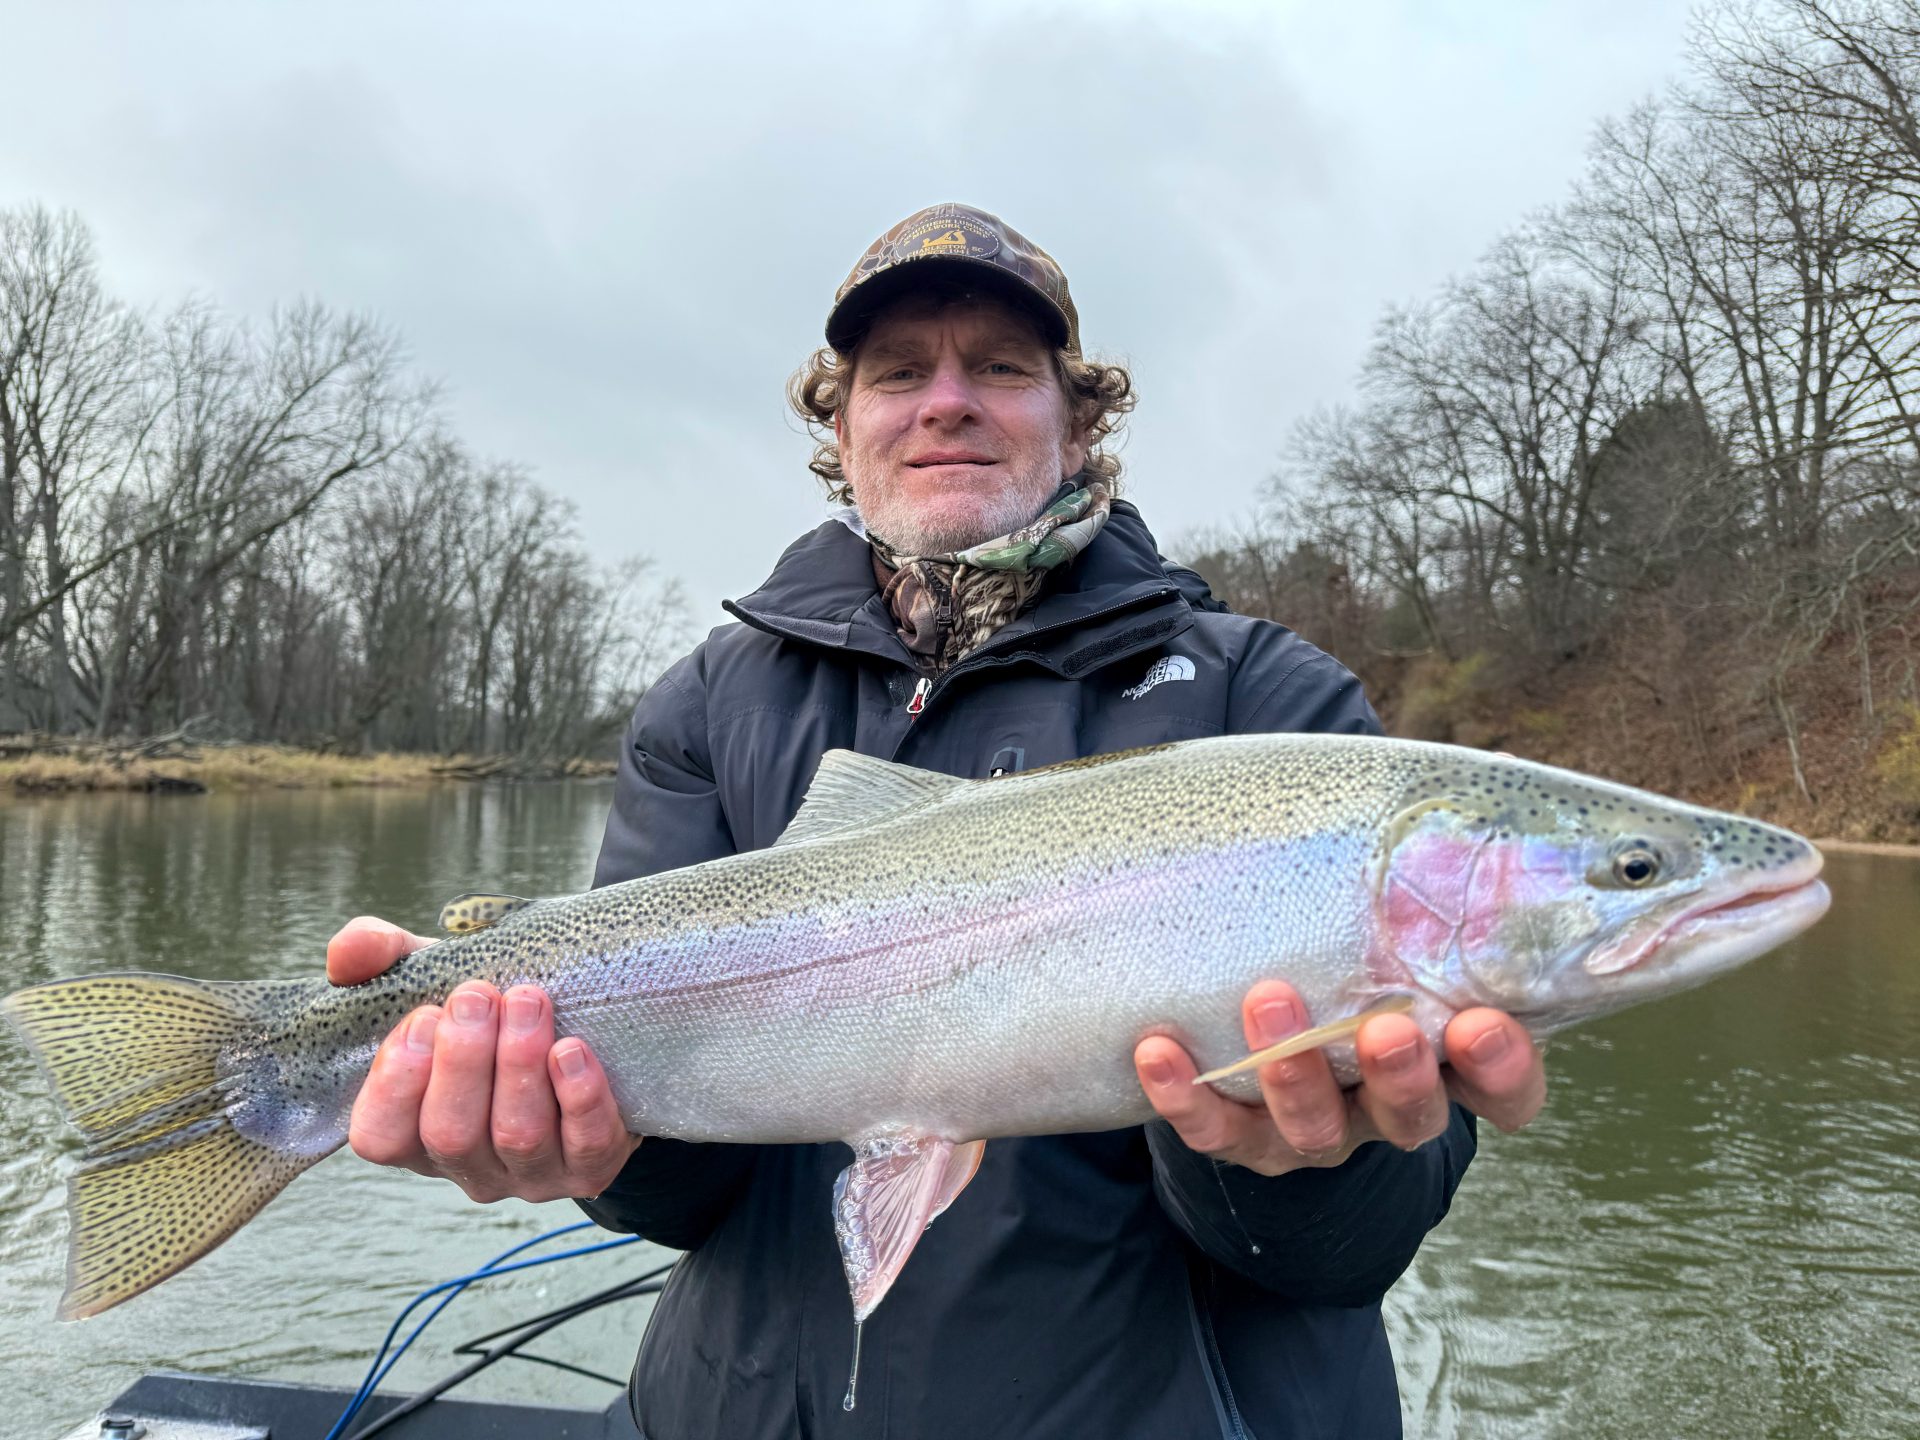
999, 255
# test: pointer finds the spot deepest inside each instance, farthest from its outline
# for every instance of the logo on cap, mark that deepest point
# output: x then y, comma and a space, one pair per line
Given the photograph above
945, 235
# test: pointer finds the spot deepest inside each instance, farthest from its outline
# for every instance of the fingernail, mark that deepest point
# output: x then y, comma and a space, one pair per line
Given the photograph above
471, 1007
420, 1033
572, 1059
1277, 1019
523, 1014
1157, 1072
1400, 1057
1489, 1045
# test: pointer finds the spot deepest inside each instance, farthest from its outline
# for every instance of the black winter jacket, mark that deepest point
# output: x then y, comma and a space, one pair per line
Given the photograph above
1102, 1285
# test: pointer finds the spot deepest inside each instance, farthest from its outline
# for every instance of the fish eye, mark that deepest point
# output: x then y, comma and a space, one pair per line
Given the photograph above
1636, 866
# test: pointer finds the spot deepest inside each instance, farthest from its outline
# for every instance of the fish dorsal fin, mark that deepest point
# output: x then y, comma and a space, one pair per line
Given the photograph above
466, 913
884, 1201
850, 790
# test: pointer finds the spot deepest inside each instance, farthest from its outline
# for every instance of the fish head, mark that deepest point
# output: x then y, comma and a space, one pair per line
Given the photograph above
1557, 897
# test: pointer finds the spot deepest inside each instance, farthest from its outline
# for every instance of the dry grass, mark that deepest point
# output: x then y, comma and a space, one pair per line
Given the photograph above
239, 767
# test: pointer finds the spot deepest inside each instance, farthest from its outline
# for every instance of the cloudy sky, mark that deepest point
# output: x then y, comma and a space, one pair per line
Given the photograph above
612, 231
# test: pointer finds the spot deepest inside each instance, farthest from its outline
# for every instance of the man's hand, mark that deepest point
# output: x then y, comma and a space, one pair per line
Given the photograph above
1308, 1120
477, 1091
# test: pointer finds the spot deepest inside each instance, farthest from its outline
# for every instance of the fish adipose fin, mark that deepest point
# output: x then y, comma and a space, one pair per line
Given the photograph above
134, 1062
850, 790
466, 913
884, 1201
1312, 1039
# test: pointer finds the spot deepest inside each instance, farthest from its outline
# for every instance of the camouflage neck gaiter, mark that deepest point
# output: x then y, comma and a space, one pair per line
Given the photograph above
948, 605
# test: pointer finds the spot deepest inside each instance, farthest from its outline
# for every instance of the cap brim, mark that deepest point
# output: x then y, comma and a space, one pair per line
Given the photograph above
849, 319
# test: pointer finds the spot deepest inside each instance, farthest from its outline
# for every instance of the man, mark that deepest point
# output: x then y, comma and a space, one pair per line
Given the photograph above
1218, 1272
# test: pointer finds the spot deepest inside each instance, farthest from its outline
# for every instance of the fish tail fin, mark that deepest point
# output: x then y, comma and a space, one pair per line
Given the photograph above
135, 1063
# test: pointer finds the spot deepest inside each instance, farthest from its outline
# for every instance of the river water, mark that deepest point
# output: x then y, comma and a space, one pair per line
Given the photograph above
1713, 1230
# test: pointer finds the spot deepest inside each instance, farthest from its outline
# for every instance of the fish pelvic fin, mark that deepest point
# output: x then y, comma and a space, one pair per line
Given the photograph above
1313, 1039
135, 1063
884, 1202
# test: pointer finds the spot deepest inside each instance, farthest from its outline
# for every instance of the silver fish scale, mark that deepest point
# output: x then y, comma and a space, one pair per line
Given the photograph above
979, 965
982, 961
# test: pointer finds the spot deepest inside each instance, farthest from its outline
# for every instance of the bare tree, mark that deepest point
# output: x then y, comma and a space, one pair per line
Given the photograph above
1680, 413
69, 417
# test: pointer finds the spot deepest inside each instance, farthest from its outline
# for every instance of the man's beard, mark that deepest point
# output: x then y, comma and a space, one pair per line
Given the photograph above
911, 529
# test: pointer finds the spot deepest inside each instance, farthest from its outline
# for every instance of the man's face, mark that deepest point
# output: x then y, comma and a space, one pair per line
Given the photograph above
955, 428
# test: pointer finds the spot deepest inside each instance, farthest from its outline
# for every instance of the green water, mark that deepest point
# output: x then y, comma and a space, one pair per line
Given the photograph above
1713, 1230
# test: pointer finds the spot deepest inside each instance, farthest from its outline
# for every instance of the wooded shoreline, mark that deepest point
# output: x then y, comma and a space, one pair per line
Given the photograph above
179, 764
170, 764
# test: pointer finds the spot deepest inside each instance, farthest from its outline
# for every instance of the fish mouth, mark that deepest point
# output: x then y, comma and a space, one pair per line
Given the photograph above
1720, 933
1790, 908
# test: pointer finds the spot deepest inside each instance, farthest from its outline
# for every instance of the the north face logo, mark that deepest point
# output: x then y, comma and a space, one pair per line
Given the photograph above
1169, 667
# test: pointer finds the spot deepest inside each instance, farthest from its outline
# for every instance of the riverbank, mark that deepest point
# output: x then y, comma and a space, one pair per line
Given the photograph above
42, 766
37, 766
1848, 770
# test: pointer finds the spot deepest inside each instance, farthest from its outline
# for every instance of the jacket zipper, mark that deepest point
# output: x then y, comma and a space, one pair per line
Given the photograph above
984, 657
1233, 1425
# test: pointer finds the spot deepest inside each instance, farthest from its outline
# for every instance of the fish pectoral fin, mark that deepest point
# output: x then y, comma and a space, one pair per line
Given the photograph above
885, 1200
464, 914
1312, 1039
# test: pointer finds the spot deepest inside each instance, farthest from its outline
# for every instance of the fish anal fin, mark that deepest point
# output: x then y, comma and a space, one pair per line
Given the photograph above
884, 1201
464, 914
1312, 1039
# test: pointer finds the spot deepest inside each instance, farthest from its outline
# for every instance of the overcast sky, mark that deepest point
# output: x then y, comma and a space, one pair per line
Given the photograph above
612, 231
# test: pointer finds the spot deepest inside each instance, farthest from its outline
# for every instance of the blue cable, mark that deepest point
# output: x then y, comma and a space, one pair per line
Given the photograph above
377, 1371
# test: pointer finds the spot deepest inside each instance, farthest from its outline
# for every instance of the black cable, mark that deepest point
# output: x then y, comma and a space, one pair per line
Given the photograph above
598, 1298
520, 1335
605, 1379
642, 1285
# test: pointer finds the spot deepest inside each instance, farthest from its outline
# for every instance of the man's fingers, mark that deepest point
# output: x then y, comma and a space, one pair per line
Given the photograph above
454, 1115
1301, 1095
1204, 1119
1496, 1068
593, 1138
525, 1119
365, 947
1400, 1090
385, 1124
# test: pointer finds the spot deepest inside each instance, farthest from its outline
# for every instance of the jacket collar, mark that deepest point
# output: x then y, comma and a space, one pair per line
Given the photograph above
1115, 599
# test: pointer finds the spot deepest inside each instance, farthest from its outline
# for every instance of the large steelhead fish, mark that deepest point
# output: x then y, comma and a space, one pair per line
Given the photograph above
923, 964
